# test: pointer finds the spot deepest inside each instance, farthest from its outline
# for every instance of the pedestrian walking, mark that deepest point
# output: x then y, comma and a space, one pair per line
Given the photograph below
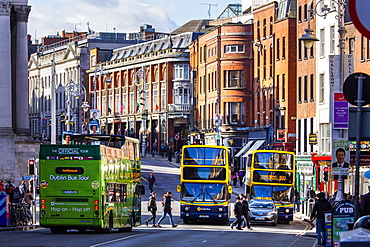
152, 208
166, 204
28, 198
234, 176
241, 175
246, 213
154, 149
169, 153
321, 205
238, 212
310, 193
151, 180
23, 188
365, 206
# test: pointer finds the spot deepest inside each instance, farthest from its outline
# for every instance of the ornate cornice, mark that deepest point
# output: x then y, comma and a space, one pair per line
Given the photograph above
5, 7
22, 13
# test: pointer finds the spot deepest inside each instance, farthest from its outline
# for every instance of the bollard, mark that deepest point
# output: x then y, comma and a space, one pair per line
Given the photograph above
310, 205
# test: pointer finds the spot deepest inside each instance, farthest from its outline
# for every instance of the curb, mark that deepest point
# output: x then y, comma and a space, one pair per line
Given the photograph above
19, 228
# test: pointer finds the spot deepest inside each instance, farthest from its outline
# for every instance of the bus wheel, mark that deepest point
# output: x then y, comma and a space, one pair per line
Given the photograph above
54, 230
110, 224
82, 230
186, 221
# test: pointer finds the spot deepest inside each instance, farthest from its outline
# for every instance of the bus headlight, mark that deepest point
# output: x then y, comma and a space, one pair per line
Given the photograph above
186, 208
287, 210
220, 209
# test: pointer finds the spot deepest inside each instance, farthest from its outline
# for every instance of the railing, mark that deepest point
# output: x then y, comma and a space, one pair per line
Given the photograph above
179, 107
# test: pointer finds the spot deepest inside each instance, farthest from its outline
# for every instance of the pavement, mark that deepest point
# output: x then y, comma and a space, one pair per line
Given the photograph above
309, 230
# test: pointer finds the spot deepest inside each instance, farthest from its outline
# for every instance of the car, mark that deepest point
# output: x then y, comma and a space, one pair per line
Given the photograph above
263, 211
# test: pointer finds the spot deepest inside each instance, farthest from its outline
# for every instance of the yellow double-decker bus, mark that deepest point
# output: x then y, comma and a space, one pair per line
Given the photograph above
270, 174
205, 183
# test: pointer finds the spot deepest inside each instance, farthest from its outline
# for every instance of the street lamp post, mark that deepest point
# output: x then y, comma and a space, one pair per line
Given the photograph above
77, 90
99, 70
308, 38
140, 74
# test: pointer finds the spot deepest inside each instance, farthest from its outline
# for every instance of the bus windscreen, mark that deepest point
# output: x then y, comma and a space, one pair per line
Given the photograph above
204, 173
199, 192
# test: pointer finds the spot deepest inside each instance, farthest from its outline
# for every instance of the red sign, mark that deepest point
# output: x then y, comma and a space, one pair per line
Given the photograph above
177, 137
281, 135
359, 12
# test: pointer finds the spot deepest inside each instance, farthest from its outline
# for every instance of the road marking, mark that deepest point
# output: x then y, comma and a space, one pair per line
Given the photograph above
119, 239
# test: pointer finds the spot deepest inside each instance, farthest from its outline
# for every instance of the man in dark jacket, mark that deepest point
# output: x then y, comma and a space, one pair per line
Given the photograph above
152, 207
167, 209
151, 180
246, 213
238, 212
321, 205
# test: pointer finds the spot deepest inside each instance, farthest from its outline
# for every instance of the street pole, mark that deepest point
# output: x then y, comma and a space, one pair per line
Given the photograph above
358, 140
53, 102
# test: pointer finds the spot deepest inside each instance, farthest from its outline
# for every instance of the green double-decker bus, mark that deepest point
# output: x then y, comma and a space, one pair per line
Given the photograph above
91, 187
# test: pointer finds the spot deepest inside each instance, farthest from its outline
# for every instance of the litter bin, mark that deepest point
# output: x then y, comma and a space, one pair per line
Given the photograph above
4, 210
177, 156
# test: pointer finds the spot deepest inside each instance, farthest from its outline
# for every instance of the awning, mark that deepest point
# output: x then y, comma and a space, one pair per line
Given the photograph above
244, 149
255, 146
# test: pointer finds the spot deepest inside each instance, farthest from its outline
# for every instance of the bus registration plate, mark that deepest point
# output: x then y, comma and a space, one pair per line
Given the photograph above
260, 218
203, 216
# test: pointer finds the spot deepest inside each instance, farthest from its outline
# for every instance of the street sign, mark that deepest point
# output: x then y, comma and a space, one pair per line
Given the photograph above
359, 13
343, 212
177, 137
350, 88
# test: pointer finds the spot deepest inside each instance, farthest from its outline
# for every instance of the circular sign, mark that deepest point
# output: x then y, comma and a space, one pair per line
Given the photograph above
350, 88
31, 162
177, 137
95, 184
367, 174
359, 13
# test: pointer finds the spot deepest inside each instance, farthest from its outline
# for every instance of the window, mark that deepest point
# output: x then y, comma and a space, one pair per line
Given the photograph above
363, 48
234, 48
132, 103
264, 27
181, 96
299, 13
234, 78
299, 89
322, 88
322, 42
277, 49
283, 50
305, 89
305, 12
332, 39
351, 46
117, 108
234, 113
325, 138
181, 71
311, 88
283, 87
271, 25
300, 50
104, 105
163, 99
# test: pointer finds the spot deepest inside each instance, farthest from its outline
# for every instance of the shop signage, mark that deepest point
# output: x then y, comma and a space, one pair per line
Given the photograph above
312, 138
343, 213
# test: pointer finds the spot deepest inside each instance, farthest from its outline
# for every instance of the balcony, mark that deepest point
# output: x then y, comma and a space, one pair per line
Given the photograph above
178, 107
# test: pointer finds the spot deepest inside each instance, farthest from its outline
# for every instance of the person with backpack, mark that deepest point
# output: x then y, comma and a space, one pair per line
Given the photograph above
152, 208
16, 195
166, 204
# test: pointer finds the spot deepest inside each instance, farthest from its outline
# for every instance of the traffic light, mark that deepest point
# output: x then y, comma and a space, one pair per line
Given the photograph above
326, 174
31, 167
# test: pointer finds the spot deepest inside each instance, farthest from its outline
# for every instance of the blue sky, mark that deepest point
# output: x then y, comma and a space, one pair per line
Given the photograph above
47, 17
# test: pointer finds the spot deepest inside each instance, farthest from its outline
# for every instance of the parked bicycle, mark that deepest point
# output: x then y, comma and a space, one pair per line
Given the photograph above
20, 214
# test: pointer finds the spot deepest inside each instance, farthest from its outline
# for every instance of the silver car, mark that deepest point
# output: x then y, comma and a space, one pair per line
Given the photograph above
263, 211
